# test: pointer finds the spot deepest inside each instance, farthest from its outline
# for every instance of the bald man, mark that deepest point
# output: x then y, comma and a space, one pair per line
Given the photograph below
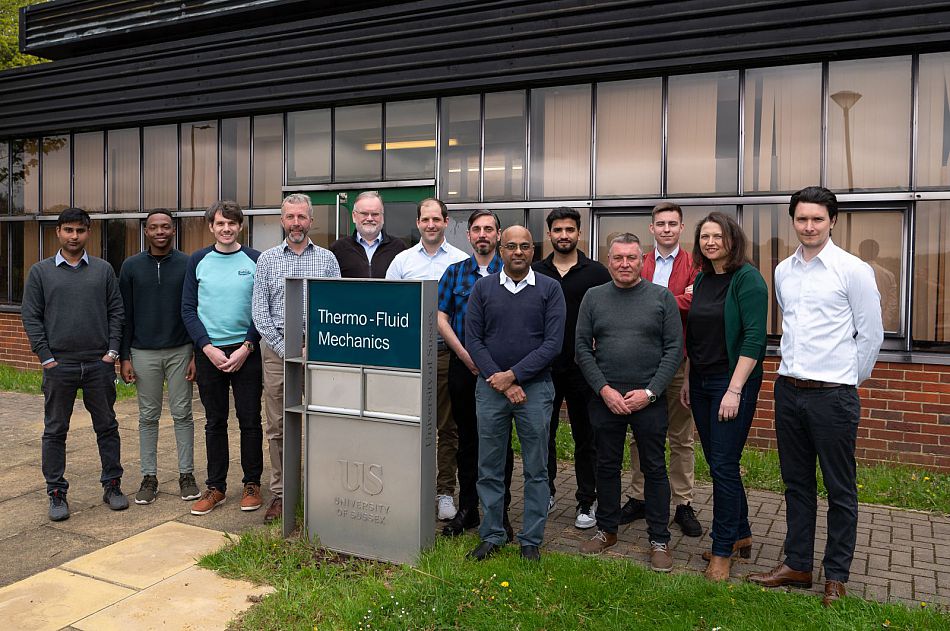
514, 329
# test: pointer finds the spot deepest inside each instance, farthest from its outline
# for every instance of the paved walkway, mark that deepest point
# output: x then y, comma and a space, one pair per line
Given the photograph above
901, 555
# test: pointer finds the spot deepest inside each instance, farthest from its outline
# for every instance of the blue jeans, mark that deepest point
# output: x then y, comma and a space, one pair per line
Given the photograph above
60, 383
723, 442
531, 418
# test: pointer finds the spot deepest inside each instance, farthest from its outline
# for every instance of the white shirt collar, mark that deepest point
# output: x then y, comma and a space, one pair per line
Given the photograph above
827, 255
369, 244
527, 280
672, 255
60, 259
422, 248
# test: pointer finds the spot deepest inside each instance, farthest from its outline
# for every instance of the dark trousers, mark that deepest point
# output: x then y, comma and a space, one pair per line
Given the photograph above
60, 383
818, 423
570, 385
723, 442
462, 393
247, 385
610, 436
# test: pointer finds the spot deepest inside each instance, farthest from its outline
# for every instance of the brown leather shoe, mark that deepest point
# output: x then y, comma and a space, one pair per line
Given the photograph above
274, 511
743, 547
781, 575
251, 498
718, 568
599, 542
208, 501
660, 558
833, 591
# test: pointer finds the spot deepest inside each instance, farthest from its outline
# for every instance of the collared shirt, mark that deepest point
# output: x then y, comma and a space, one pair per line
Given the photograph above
664, 266
273, 266
60, 259
513, 286
370, 248
415, 263
831, 316
455, 287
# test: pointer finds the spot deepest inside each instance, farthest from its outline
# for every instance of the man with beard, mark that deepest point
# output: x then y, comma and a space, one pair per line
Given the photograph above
427, 260
156, 349
576, 273
368, 252
295, 256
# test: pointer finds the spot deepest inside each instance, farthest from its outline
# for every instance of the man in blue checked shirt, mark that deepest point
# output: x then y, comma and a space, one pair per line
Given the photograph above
294, 256
484, 230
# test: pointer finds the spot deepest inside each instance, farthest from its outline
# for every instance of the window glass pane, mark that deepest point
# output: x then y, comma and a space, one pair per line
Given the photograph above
236, 160
782, 128
323, 231
703, 133
933, 121
56, 175
308, 148
25, 196
266, 231
5, 260
457, 232
560, 142
638, 222
122, 241
268, 159
22, 258
357, 146
460, 151
4, 178
161, 167
931, 327
123, 170
629, 137
194, 234
505, 139
89, 173
869, 104
199, 165
410, 139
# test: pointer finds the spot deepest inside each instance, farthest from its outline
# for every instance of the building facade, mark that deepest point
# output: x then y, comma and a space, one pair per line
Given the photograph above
517, 106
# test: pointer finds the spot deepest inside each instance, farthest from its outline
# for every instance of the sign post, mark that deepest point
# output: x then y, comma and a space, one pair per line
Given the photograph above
363, 384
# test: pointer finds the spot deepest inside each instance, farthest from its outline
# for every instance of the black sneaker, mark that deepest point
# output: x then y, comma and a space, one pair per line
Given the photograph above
633, 510
686, 519
465, 518
113, 496
58, 506
148, 491
189, 488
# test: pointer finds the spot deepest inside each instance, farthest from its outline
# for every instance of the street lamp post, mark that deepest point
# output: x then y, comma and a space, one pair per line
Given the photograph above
846, 99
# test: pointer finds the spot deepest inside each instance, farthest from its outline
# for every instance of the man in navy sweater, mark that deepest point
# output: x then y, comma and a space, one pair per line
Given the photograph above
514, 329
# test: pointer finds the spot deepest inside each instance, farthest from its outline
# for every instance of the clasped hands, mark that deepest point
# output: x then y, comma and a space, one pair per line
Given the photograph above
224, 363
623, 404
504, 382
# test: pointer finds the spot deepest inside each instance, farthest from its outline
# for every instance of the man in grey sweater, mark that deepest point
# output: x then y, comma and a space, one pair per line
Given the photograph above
72, 313
628, 346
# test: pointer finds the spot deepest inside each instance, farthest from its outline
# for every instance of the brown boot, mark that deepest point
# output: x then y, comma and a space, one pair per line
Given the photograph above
718, 568
742, 547
274, 511
599, 542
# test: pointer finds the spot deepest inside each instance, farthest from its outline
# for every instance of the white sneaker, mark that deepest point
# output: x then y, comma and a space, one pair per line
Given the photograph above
446, 507
551, 504
585, 518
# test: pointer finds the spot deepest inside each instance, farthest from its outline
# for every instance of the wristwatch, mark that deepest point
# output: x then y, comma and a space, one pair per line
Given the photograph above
114, 355
249, 345
650, 395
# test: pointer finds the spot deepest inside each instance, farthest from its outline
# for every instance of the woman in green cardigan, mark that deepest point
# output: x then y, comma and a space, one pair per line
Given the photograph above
725, 345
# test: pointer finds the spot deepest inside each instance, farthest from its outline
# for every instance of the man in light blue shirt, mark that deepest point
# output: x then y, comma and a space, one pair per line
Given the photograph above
427, 260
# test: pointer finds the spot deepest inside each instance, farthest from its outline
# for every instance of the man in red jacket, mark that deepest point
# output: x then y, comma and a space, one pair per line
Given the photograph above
671, 266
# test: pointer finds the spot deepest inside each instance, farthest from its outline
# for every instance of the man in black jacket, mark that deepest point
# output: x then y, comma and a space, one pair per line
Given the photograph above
368, 252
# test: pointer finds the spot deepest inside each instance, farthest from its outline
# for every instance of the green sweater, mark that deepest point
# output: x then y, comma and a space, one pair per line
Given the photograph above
744, 313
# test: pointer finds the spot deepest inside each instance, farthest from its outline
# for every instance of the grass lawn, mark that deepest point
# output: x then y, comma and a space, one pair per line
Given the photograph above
31, 381
320, 590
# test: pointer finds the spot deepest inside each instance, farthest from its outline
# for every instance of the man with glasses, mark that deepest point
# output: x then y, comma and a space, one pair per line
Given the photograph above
513, 332
369, 251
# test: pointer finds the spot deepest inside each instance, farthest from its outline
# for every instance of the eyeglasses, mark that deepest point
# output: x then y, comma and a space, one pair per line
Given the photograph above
366, 215
524, 247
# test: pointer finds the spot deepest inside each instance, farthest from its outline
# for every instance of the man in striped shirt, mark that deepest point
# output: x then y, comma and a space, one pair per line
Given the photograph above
294, 256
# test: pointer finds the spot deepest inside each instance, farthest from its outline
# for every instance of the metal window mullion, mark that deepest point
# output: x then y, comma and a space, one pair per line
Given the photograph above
250, 161
220, 126
141, 169
105, 172
664, 133
178, 171
481, 147
914, 122
382, 141
333, 145
527, 144
592, 186
39, 175
438, 148
823, 148
907, 302
72, 169
740, 159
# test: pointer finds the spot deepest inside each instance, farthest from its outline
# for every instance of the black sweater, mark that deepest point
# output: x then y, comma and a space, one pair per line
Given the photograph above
151, 294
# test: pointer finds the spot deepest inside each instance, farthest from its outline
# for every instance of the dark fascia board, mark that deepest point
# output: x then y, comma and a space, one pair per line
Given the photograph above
61, 29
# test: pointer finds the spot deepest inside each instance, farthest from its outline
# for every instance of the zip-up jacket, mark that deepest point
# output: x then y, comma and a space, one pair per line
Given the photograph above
151, 294
352, 257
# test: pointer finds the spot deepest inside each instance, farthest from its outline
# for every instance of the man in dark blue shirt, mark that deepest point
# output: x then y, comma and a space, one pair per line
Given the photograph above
514, 329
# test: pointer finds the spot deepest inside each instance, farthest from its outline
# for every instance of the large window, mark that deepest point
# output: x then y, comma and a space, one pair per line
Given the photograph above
56, 174
25, 184
782, 128
309, 144
89, 173
268, 160
124, 170
357, 143
410, 140
505, 132
461, 140
561, 142
933, 122
236, 160
629, 137
160, 167
931, 291
199, 165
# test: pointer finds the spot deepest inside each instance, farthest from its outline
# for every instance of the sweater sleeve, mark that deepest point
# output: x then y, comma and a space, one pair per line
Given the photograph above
584, 345
752, 295
475, 332
252, 334
555, 314
189, 302
126, 289
672, 346
31, 312
114, 310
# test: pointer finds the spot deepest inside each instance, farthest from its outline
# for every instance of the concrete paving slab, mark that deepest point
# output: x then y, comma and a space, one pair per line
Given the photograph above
193, 599
150, 556
37, 549
54, 599
111, 526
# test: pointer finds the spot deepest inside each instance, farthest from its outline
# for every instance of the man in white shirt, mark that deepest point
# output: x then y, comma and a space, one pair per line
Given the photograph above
427, 260
832, 332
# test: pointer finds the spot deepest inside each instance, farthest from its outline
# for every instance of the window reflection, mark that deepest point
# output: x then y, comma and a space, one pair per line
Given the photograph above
933, 121
4, 178
199, 164
461, 139
323, 231
160, 168
410, 139
629, 137
308, 147
123, 239
123, 176
560, 142
89, 174
25, 169
357, 138
505, 134
56, 174
268, 160
236, 160
266, 231
931, 270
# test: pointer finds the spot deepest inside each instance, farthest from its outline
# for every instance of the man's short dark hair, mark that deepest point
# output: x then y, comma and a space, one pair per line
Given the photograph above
432, 200
665, 207
159, 211
483, 213
815, 195
74, 215
228, 209
563, 212
734, 241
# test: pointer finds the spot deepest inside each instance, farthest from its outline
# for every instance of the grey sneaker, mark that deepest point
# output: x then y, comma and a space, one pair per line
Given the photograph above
113, 495
148, 491
58, 506
189, 488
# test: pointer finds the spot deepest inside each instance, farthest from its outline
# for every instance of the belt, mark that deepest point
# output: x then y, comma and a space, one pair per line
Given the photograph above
809, 383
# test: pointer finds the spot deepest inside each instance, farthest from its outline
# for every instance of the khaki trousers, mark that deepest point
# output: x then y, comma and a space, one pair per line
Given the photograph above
680, 435
274, 416
447, 433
